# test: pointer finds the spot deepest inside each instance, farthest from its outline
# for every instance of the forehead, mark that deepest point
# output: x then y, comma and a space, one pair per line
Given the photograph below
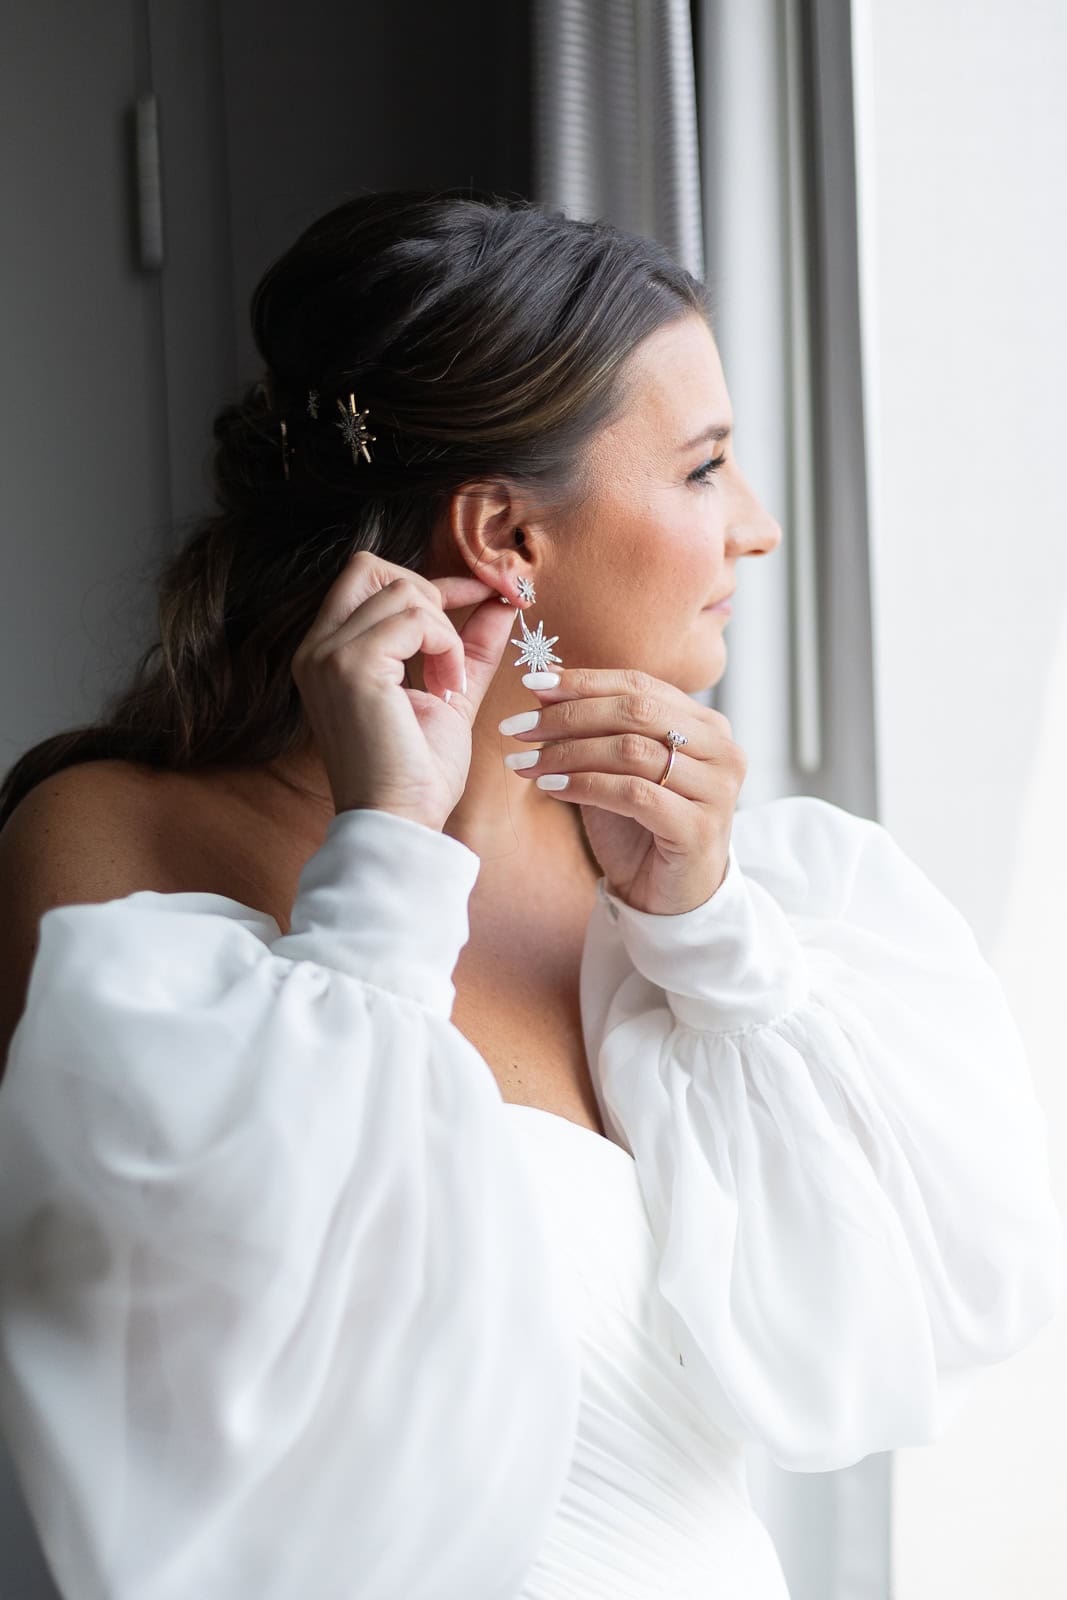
674, 389
676, 383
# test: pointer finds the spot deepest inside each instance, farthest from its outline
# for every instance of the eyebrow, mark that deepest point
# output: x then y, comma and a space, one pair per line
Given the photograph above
717, 431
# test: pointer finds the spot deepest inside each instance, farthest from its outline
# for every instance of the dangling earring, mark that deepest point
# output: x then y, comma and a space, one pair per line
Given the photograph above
535, 650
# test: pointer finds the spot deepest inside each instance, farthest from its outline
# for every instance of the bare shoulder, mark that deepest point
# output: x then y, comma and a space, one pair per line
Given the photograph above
97, 831
94, 831
103, 830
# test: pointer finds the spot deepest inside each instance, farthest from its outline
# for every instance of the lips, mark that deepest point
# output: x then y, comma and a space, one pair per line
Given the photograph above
719, 601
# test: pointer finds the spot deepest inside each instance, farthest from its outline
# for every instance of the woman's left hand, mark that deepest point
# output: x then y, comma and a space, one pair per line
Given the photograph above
663, 849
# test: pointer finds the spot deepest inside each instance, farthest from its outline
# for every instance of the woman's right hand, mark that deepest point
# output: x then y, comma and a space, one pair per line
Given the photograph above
384, 745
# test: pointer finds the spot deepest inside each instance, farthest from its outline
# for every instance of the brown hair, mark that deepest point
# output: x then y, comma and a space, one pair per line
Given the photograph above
486, 336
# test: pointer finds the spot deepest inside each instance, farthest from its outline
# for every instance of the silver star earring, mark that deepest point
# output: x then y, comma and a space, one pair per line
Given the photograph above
535, 650
525, 588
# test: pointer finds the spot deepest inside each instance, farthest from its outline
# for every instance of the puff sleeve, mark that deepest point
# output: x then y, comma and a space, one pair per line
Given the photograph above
278, 1316
836, 1135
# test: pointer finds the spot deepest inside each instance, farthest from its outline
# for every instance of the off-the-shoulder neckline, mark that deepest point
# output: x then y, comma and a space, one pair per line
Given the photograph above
576, 1127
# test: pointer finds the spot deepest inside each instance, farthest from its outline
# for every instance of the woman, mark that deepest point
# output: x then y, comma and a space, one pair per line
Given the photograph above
420, 1176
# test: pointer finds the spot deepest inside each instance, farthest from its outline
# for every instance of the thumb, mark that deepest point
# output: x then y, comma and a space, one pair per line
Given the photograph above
485, 636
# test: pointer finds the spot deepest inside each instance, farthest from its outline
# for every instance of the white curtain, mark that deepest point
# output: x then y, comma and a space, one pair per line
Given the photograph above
723, 128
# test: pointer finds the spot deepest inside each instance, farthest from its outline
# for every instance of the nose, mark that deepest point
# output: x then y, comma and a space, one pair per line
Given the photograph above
753, 531
769, 536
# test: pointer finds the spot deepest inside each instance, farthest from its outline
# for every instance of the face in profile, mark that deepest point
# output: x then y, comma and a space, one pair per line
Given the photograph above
628, 578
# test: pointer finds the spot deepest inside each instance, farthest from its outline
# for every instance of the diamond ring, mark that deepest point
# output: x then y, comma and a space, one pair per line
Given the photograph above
672, 739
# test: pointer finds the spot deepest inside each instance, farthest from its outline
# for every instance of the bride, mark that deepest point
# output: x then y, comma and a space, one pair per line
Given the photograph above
441, 1125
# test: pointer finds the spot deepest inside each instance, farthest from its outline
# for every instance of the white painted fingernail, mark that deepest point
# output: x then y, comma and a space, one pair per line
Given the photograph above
553, 780
523, 758
464, 680
541, 680
446, 697
521, 722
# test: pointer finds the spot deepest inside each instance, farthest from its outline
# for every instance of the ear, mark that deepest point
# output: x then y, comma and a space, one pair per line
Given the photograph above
489, 534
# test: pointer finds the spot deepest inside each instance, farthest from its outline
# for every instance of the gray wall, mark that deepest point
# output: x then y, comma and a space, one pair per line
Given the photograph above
83, 457
364, 97
112, 373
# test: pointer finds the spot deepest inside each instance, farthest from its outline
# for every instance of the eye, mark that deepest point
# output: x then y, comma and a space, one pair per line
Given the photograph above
703, 474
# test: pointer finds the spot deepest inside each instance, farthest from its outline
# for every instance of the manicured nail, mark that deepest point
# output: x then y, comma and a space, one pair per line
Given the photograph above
446, 697
521, 722
552, 780
523, 758
464, 680
541, 680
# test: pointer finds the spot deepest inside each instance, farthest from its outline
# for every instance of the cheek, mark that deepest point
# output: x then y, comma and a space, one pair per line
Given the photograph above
682, 557
621, 550
640, 564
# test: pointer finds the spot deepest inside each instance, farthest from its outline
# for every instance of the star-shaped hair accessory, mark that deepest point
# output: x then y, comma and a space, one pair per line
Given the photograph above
536, 650
354, 428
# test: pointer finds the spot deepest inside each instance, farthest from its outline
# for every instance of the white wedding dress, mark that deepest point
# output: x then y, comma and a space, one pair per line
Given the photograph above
293, 1306
655, 1501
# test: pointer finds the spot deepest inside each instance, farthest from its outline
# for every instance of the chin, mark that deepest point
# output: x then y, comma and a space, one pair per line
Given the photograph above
701, 671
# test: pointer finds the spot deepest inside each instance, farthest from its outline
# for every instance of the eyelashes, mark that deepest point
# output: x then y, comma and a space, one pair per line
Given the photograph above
703, 474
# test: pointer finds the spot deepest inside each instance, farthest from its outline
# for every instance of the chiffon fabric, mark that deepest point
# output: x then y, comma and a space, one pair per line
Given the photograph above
292, 1303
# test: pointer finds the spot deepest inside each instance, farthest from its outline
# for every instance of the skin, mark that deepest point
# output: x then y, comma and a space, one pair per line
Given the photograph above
623, 579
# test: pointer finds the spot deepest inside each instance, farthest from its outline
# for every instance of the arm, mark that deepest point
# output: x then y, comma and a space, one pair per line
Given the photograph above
836, 1134
277, 1315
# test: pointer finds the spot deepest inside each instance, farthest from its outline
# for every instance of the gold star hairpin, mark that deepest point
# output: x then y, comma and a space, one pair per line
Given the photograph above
354, 429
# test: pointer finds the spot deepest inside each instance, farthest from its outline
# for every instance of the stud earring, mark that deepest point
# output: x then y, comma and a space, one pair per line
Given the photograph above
525, 588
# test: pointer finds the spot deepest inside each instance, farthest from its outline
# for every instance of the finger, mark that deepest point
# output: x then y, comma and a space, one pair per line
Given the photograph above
621, 753
462, 591
397, 635
397, 595
670, 817
485, 636
590, 683
636, 714
365, 574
